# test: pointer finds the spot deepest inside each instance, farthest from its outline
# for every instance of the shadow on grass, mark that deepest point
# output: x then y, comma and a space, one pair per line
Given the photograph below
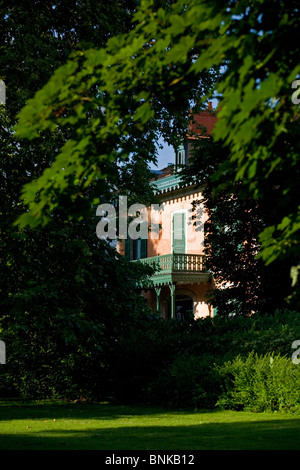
97, 426
19, 410
255, 435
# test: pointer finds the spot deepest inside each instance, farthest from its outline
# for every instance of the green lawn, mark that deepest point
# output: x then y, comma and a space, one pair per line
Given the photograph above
100, 426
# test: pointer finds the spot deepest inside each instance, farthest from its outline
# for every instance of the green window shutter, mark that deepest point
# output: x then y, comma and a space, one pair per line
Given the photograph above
179, 232
144, 241
135, 249
144, 248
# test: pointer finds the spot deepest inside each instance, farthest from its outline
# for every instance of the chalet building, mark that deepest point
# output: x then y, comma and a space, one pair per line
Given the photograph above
179, 288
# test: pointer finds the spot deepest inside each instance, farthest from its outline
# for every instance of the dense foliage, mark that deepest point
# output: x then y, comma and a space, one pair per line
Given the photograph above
237, 362
71, 318
168, 55
191, 365
243, 283
260, 383
63, 292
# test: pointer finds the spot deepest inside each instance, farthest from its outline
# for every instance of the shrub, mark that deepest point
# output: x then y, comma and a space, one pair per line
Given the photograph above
260, 383
187, 381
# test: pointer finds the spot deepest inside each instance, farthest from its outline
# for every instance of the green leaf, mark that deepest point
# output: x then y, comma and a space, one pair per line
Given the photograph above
144, 113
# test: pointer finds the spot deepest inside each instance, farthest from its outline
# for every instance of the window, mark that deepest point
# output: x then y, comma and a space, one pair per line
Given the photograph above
184, 307
179, 232
179, 158
135, 249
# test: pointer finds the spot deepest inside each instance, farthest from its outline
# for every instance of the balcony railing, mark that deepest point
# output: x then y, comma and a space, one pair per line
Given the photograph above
176, 262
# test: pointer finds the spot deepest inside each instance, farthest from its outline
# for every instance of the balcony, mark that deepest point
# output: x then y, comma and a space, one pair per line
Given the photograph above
177, 268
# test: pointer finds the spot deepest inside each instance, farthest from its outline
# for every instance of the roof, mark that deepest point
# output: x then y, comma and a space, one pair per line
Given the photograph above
200, 126
202, 123
169, 170
167, 183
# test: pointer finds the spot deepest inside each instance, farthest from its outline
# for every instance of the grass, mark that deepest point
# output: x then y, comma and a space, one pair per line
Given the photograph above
48, 425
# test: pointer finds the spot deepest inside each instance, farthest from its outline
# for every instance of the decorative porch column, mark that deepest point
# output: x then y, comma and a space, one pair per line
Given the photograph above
157, 292
172, 291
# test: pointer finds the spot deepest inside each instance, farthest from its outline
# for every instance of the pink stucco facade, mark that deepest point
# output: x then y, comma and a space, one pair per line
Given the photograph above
180, 289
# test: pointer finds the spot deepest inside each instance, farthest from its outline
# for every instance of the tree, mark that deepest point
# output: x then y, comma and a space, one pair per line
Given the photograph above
109, 108
164, 56
65, 294
113, 100
242, 283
